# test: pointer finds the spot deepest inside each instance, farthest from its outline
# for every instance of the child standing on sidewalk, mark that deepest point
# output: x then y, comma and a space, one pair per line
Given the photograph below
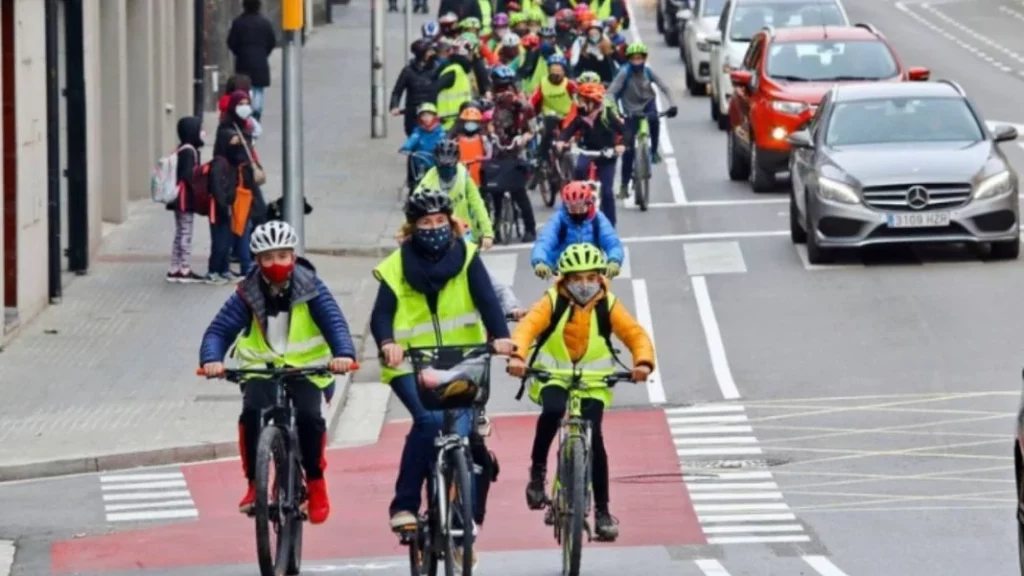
190, 140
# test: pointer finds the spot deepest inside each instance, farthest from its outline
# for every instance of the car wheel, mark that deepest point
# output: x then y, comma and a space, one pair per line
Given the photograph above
815, 253
713, 102
1009, 250
660, 20
796, 232
723, 119
691, 83
760, 179
682, 48
735, 159
672, 37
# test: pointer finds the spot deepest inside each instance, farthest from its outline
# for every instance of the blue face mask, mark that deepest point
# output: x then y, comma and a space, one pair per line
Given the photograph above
446, 172
471, 127
433, 241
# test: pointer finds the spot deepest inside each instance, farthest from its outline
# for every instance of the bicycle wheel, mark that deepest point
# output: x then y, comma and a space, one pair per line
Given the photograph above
642, 173
508, 218
460, 528
547, 192
295, 518
422, 557
272, 452
574, 515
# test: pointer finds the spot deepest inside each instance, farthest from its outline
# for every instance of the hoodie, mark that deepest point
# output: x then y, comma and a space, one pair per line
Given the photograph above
190, 142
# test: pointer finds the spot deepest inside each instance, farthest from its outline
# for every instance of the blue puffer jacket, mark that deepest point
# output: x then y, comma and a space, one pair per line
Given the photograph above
235, 317
561, 231
424, 140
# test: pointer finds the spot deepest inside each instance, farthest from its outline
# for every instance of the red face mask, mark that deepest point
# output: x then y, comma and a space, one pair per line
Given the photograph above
277, 273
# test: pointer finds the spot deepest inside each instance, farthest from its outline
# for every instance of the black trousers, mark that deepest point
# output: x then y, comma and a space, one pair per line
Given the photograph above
258, 394
554, 403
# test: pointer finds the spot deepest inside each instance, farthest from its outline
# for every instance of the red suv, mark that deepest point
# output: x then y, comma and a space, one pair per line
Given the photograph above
784, 76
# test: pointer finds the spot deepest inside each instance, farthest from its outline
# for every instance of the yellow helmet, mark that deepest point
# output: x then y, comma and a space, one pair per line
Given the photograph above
581, 258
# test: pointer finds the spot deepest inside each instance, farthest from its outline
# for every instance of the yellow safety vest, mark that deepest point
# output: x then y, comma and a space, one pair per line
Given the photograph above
596, 363
457, 193
450, 99
306, 346
602, 9
455, 322
556, 97
485, 17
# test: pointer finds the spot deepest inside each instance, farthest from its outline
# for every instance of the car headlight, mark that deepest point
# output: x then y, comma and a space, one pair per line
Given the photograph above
788, 107
702, 43
994, 186
836, 191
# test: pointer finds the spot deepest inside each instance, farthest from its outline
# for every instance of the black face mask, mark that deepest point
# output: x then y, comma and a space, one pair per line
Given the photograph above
433, 242
578, 218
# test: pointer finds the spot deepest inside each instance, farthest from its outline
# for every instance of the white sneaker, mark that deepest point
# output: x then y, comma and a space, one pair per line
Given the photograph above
402, 519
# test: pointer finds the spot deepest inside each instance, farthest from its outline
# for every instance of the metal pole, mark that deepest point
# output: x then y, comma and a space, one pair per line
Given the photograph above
378, 123
291, 79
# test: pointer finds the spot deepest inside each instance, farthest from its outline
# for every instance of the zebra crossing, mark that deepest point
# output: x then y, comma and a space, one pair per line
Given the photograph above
733, 507
147, 496
820, 564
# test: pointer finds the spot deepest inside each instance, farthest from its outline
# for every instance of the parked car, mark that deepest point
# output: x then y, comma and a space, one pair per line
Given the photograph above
784, 75
740, 20
694, 48
668, 21
901, 162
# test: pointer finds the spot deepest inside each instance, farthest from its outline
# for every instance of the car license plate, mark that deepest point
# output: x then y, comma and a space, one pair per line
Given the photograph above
919, 220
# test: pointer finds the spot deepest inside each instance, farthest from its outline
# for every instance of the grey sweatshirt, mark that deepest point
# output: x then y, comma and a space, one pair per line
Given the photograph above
640, 90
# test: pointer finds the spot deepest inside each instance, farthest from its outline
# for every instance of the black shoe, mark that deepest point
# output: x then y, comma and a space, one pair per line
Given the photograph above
536, 499
529, 237
606, 526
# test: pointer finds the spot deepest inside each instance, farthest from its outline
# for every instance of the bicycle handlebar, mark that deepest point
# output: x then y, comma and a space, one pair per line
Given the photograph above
610, 380
605, 153
235, 373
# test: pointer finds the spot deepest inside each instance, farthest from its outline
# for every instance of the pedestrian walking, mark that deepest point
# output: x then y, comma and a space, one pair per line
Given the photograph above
251, 40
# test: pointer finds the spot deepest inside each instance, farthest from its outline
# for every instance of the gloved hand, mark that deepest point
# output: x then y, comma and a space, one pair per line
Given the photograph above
542, 270
672, 112
613, 269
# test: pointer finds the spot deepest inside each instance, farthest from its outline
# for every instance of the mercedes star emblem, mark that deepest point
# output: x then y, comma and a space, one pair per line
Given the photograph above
917, 197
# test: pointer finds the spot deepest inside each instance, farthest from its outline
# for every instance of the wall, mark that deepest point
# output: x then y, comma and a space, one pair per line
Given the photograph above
113, 106
94, 96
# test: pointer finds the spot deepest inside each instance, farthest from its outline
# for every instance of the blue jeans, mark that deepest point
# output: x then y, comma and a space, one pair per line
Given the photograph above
223, 242
419, 454
632, 125
606, 176
257, 102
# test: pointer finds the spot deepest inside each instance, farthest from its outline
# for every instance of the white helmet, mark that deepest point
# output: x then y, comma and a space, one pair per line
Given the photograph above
273, 235
510, 40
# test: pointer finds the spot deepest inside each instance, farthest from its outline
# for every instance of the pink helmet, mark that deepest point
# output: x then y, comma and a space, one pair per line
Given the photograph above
488, 114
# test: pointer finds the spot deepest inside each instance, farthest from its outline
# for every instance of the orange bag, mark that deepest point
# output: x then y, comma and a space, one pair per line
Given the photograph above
242, 206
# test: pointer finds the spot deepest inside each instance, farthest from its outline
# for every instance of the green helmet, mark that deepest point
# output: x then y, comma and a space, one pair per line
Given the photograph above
427, 107
471, 39
588, 77
516, 18
636, 48
581, 258
471, 23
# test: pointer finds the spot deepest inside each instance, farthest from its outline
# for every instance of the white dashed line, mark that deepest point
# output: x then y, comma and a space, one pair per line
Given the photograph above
902, 6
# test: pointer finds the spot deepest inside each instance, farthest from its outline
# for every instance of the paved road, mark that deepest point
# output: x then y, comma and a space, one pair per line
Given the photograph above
845, 420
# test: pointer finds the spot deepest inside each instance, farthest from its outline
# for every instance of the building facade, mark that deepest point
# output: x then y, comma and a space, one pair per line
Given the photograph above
91, 90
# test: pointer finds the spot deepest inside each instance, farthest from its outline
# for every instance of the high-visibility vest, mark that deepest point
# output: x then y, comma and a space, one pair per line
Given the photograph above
602, 9
596, 363
556, 98
306, 346
457, 192
455, 321
485, 17
451, 99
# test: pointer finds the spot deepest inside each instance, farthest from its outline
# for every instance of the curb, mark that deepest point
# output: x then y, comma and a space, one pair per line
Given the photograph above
358, 251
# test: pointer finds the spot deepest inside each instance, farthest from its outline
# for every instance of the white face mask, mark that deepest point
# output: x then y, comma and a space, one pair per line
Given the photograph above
243, 111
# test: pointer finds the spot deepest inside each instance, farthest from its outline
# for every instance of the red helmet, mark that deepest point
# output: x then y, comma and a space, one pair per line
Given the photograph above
577, 193
531, 41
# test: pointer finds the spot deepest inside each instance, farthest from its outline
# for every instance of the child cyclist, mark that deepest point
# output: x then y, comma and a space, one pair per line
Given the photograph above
564, 330
576, 221
452, 177
282, 314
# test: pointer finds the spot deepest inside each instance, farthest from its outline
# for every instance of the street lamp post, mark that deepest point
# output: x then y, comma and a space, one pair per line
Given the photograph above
292, 21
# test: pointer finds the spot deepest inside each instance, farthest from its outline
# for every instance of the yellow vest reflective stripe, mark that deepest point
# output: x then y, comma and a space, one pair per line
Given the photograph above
556, 97
602, 9
456, 322
485, 17
306, 346
450, 99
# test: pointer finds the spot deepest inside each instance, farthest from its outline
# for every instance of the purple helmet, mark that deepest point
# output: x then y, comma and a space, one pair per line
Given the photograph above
500, 20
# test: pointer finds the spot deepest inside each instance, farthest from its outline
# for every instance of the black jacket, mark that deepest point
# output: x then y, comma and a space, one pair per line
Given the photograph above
190, 143
462, 8
232, 163
605, 130
416, 81
251, 39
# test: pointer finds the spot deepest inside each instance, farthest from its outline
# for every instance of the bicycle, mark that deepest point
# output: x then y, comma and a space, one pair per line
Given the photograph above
569, 505
419, 164
553, 171
642, 160
592, 179
511, 220
447, 523
278, 446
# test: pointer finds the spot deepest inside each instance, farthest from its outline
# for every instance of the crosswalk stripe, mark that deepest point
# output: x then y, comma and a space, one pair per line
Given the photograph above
752, 529
823, 566
145, 485
710, 486
711, 567
745, 507
726, 518
730, 476
719, 540
626, 272
709, 409
152, 515
708, 419
146, 495
702, 497
142, 477
709, 429
721, 451
144, 505
719, 440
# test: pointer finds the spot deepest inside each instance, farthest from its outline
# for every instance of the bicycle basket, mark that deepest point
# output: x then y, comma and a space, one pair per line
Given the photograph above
464, 382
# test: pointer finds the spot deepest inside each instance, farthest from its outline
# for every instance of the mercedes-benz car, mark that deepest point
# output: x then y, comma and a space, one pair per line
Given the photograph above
740, 20
694, 48
901, 162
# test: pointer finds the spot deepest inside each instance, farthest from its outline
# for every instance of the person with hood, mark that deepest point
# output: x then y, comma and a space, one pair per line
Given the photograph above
251, 39
433, 289
243, 83
453, 85
424, 139
190, 140
576, 221
234, 169
282, 314
416, 81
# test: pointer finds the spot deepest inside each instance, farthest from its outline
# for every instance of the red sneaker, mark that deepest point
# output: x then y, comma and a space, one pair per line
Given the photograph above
245, 506
319, 502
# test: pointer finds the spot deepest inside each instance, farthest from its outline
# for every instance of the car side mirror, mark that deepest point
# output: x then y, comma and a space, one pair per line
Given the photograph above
684, 15
715, 38
918, 74
800, 139
741, 78
1004, 133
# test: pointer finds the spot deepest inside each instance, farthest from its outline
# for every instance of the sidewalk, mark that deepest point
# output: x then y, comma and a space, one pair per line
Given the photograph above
105, 380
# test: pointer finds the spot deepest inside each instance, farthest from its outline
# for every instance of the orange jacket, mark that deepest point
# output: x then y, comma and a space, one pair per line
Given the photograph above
471, 152
577, 329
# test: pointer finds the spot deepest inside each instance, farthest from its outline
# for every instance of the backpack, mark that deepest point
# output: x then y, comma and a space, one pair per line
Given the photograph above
163, 185
202, 198
604, 328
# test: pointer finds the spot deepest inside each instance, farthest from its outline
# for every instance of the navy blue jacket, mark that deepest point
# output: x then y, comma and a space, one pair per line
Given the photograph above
235, 317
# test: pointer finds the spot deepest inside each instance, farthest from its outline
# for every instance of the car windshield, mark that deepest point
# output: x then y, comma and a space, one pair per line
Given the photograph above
827, 60
902, 120
747, 19
713, 8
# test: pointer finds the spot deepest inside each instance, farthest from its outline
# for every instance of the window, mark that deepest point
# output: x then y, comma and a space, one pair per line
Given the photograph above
902, 120
747, 19
829, 61
712, 8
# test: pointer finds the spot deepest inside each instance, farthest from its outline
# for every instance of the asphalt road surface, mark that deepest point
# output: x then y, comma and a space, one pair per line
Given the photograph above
854, 419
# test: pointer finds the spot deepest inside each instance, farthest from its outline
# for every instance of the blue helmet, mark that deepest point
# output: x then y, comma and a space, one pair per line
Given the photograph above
558, 59
431, 29
503, 75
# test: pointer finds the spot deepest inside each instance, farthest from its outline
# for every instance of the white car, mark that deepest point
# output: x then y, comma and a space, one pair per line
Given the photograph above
740, 20
694, 48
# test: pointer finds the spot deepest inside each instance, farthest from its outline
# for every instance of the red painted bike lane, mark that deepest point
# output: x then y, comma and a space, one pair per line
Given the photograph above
647, 492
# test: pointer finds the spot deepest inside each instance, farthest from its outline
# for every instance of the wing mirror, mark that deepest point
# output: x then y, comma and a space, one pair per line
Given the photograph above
918, 74
715, 38
800, 139
741, 78
1004, 133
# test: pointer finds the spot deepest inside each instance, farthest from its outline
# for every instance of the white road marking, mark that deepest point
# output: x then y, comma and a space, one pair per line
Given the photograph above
150, 496
142, 477
703, 409
6, 557
719, 361
626, 272
736, 496
152, 515
704, 258
724, 451
971, 32
675, 181
823, 566
710, 203
707, 419
361, 421
902, 6
711, 567
708, 486
715, 441
693, 237
501, 266
716, 518
748, 507
655, 389
146, 495
711, 429
144, 505
145, 485
730, 476
754, 529
758, 539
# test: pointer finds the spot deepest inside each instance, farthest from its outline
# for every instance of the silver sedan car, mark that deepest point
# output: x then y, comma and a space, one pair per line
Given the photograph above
888, 163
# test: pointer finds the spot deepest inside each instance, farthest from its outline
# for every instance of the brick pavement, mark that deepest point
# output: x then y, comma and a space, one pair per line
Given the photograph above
105, 380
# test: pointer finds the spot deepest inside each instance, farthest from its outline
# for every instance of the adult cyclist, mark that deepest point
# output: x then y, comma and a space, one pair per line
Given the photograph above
576, 221
633, 88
